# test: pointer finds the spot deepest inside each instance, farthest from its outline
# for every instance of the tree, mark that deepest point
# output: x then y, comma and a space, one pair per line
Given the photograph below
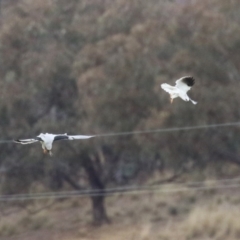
95, 67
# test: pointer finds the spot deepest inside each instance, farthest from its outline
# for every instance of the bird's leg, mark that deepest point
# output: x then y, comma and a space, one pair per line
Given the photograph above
50, 152
171, 100
45, 151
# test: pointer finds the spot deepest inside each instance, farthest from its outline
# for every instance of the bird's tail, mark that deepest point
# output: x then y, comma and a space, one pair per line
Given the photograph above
194, 102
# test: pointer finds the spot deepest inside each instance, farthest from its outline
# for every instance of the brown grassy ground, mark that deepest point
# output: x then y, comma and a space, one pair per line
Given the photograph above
212, 214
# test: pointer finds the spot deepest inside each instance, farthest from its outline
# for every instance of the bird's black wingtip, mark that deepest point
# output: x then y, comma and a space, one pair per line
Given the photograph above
189, 81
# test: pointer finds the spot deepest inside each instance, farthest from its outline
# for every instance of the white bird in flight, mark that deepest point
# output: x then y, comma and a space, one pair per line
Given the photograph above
183, 85
47, 139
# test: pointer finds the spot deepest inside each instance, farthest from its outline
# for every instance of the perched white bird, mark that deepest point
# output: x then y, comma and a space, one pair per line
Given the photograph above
183, 85
47, 139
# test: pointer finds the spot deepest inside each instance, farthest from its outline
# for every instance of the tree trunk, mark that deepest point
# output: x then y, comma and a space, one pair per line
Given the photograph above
98, 207
99, 212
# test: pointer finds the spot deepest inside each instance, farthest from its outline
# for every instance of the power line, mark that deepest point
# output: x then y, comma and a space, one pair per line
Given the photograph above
137, 191
160, 130
189, 186
6, 141
124, 188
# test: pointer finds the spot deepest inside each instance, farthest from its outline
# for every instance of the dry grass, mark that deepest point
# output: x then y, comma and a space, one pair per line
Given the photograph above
35, 222
216, 222
7, 230
25, 223
155, 216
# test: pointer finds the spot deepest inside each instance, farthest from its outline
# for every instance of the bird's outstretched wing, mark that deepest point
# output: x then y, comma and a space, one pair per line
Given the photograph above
27, 141
188, 80
168, 88
71, 137
185, 83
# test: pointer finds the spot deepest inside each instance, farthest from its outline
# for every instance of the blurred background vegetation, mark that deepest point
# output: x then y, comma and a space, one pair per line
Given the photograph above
92, 67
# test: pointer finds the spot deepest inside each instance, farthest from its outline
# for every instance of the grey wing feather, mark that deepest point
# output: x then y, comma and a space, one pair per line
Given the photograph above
27, 141
73, 137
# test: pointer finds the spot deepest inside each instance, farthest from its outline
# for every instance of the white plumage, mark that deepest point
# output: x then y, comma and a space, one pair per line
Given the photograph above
47, 139
183, 85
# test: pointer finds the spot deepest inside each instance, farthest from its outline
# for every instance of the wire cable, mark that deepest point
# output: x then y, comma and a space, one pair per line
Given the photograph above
144, 191
6, 141
91, 192
225, 183
123, 188
174, 129
160, 130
